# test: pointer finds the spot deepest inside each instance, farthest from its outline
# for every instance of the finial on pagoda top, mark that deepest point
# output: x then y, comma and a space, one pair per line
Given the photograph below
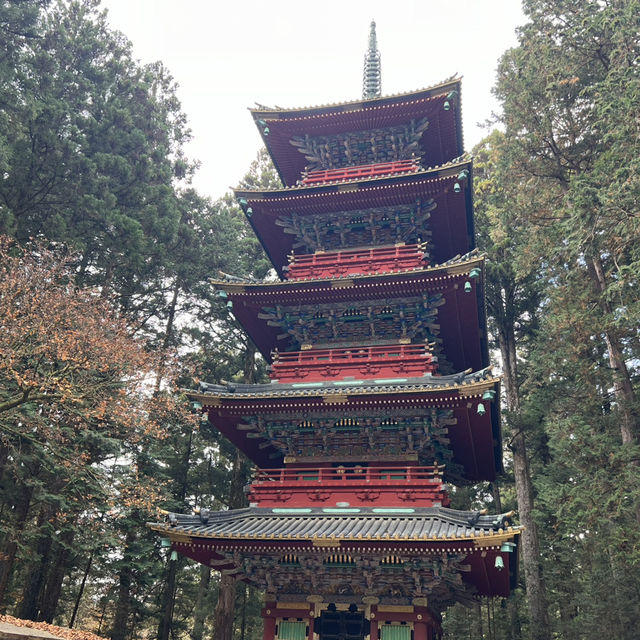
371, 81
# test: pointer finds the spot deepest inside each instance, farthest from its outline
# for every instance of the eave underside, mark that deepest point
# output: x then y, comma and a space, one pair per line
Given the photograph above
441, 142
472, 438
460, 320
450, 224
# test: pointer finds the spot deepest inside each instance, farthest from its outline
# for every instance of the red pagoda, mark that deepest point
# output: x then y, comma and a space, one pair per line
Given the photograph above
380, 391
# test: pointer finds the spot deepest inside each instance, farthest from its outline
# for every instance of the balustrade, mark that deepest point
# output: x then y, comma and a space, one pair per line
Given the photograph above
393, 486
357, 261
380, 361
319, 176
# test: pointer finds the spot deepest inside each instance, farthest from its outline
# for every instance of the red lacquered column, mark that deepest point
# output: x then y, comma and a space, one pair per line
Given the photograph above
269, 628
420, 631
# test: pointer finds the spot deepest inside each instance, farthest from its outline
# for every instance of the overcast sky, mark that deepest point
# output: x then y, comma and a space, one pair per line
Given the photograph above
226, 56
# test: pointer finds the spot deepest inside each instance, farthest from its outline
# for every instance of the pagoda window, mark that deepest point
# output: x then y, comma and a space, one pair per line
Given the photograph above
292, 630
339, 560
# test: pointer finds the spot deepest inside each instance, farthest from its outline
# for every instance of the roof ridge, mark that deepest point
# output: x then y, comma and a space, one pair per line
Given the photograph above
453, 79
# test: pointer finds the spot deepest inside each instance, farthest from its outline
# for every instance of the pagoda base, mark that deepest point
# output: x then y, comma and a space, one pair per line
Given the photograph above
317, 619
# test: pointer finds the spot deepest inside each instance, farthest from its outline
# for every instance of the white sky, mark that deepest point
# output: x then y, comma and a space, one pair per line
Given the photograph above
227, 55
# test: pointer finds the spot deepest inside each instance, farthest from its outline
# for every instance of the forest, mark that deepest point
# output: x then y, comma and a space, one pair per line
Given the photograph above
107, 315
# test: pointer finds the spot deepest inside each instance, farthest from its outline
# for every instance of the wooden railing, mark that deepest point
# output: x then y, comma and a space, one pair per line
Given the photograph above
386, 361
389, 486
360, 171
392, 474
357, 261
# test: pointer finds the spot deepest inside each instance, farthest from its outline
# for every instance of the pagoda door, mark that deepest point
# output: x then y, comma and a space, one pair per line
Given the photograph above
341, 625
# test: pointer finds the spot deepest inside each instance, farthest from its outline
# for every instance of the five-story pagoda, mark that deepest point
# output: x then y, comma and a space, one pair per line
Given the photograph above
380, 388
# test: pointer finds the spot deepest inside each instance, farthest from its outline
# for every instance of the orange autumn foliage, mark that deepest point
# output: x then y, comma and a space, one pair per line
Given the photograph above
68, 362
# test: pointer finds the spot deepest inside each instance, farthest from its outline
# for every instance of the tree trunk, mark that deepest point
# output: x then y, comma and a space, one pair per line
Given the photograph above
168, 601
201, 609
169, 592
622, 385
8, 555
53, 588
168, 333
539, 625
225, 607
29, 607
243, 624
121, 617
76, 606
495, 493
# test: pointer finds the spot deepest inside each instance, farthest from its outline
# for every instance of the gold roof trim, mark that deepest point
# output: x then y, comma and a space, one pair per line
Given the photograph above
488, 540
207, 400
478, 387
440, 171
446, 269
359, 104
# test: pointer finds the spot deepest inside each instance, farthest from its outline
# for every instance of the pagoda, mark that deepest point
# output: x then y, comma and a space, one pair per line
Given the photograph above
381, 394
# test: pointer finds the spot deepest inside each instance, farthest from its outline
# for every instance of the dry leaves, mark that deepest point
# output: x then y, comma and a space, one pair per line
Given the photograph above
60, 632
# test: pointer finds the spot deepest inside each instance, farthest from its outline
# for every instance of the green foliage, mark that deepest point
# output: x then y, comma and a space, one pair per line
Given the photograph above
564, 200
91, 158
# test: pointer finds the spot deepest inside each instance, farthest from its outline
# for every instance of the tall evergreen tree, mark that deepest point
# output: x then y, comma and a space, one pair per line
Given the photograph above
571, 147
513, 300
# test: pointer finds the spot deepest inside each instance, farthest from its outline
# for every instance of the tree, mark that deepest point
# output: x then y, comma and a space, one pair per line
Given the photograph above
557, 91
571, 149
93, 153
73, 386
513, 300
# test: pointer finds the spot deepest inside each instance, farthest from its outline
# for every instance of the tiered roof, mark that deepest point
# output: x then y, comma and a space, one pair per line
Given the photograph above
474, 438
381, 118
423, 204
392, 554
284, 315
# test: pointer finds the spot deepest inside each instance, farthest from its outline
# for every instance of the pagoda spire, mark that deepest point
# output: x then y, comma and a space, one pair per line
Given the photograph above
371, 80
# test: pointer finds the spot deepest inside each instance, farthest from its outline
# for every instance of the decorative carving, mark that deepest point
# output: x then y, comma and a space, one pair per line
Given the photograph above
345, 575
363, 227
361, 147
318, 496
368, 495
349, 323
317, 435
